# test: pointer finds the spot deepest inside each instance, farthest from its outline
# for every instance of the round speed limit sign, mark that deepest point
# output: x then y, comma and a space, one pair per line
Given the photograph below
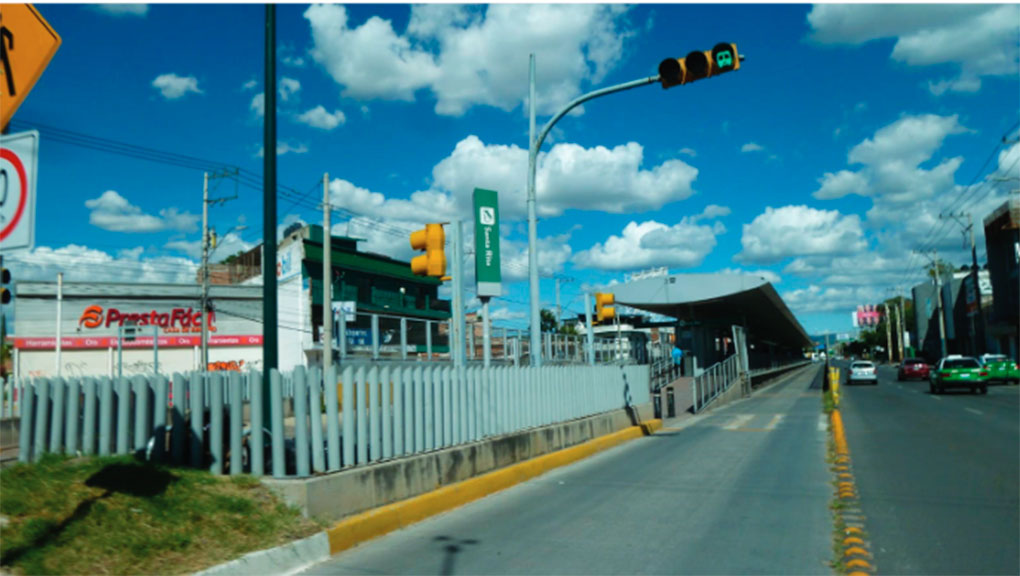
19, 155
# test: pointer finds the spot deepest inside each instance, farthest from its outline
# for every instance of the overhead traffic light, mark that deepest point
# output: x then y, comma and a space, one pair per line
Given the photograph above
603, 306
5, 279
432, 240
698, 65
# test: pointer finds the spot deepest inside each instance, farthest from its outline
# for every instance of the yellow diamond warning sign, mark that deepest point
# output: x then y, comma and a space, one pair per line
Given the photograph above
27, 44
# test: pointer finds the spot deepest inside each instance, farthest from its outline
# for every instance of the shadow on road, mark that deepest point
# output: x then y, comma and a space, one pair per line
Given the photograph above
451, 548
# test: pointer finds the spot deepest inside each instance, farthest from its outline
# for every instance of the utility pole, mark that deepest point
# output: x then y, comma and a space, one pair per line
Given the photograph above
207, 240
888, 333
977, 322
938, 299
327, 281
899, 332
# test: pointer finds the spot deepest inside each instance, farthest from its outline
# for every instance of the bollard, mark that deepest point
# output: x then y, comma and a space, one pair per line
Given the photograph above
315, 418
332, 420
236, 422
301, 421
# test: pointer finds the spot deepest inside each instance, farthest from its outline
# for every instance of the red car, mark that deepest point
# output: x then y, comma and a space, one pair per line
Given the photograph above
913, 368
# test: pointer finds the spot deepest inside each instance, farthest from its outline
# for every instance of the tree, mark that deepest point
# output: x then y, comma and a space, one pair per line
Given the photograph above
549, 323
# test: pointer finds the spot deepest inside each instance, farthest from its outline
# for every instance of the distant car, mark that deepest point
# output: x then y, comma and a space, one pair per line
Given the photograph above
1000, 368
959, 372
862, 371
913, 368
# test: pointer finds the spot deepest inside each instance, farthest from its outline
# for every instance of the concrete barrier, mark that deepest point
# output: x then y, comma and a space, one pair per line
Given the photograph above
334, 496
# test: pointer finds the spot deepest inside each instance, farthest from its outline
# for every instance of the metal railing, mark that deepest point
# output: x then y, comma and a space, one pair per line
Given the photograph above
715, 380
366, 415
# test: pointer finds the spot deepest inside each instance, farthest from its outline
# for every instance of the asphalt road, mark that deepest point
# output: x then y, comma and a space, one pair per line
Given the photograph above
742, 490
938, 475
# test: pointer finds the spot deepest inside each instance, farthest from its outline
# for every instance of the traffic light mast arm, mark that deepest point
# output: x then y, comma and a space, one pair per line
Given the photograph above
581, 100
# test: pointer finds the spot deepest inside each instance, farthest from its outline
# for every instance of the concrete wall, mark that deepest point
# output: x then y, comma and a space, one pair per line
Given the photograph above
334, 496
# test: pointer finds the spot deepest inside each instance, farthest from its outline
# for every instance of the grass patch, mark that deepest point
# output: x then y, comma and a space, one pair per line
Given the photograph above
828, 402
119, 516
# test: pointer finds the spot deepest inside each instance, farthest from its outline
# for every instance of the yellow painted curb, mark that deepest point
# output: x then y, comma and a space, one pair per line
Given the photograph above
851, 540
855, 551
374, 523
854, 530
858, 563
858, 573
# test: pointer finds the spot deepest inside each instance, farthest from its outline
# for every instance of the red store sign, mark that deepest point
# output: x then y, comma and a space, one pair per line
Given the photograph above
178, 320
138, 342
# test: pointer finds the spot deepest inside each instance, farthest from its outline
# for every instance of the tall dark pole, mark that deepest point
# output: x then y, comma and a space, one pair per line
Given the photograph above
979, 332
270, 352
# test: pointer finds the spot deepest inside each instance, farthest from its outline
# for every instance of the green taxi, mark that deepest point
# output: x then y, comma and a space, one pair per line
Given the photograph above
1001, 368
959, 372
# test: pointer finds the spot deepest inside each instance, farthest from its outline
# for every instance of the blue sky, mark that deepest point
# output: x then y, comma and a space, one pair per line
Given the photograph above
820, 164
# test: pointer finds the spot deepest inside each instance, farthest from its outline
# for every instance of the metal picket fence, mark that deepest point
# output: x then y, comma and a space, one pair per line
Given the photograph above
715, 380
310, 423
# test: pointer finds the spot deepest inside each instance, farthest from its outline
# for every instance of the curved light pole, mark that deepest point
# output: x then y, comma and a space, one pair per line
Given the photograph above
535, 144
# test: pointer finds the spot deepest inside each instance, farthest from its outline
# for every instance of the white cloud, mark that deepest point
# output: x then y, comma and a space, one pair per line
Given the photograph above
226, 246
113, 212
258, 104
892, 160
288, 87
751, 147
710, 212
651, 243
250, 85
816, 299
282, 148
568, 177
780, 233
553, 254
688, 152
319, 118
503, 314
469, 56
172, 86
123, 9
980, 39
83, 264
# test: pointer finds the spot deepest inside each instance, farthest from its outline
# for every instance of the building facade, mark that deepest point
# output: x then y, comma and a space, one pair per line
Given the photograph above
1002, 245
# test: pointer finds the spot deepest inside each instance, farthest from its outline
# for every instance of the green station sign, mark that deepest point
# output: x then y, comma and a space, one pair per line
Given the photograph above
487, 270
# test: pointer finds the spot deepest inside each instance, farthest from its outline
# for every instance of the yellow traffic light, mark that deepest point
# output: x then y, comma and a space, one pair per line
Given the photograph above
603, 306
432, 240
5, 279
698, 65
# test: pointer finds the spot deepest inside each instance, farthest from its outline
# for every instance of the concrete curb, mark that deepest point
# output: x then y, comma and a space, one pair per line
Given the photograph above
368, 525
286, 559
295, 556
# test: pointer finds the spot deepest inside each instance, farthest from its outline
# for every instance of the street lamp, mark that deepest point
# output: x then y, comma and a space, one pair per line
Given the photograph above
722, 58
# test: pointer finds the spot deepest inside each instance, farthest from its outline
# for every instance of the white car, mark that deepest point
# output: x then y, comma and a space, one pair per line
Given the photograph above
862, 372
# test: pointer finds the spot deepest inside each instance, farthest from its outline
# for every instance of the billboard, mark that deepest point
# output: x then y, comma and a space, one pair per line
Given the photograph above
866, 316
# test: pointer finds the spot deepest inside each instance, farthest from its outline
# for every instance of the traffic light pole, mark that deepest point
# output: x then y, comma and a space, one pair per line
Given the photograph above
535, 145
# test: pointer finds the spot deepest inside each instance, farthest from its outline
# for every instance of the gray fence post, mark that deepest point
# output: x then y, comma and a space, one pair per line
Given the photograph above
140, 386
123, 414
105, 416
178, 424
196, 405
343, 335
428, 340
258, 436
361, 404
398, 412
89, 425
374, 422
403, 338
375, 336
422, 408
276, 413
216, 422
347, 392
332, 419
315, 419
446, 422
236, 421
42, 408
410, 412
26, 399
385, 422
159, 410
301, 421
57, 389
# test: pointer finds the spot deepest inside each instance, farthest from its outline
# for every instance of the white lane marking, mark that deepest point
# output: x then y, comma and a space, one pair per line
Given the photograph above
775, 422
823, 423
935, 398
978, 412
739, 421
